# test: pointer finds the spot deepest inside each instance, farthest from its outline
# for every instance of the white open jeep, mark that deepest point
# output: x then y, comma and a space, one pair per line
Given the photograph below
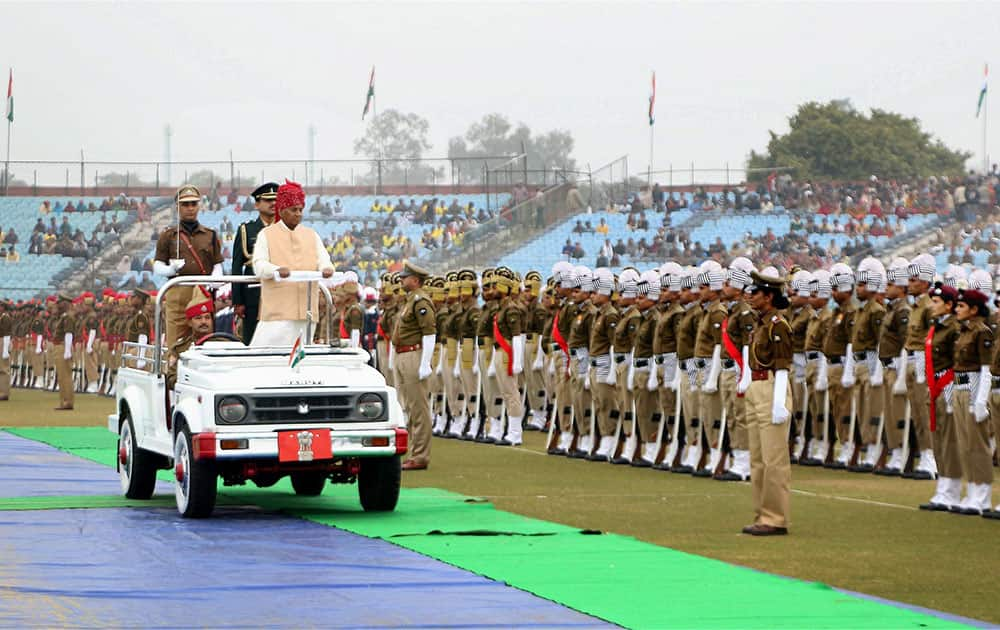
242, 413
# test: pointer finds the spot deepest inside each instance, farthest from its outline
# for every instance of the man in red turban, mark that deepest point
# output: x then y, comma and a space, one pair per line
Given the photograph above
285, 249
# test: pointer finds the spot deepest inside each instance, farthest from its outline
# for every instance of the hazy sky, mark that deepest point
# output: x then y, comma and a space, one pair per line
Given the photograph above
252, 77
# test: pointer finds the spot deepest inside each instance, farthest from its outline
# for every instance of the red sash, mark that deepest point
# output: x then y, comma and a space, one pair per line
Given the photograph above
381, 333
934, 385
102, 331
731, 350
505, 346
343, 330
560, 340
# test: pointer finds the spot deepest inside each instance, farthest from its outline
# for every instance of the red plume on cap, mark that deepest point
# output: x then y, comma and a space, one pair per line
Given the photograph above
289, 194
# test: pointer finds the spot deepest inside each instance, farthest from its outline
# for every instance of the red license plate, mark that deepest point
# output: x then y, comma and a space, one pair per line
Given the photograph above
305, 445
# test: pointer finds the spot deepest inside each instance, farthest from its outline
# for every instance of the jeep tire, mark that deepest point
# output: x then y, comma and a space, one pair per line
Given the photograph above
138, 472
198, 484
378, 483
309, 483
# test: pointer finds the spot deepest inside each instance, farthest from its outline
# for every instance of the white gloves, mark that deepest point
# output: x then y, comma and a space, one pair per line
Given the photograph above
822, 374
847, 378
745, 377
68, 345
90, 340
878, 373
426, 354
168, 269
899, 387
692, 372
980, 405
586, 381
5, 354
675, 382
539, 362
392, 355
491, 369
518, 349
355, 338
652, 383
38, 345
920, 367
779, 413
711, 384
475, 357
456, 369
612, 378
799, 361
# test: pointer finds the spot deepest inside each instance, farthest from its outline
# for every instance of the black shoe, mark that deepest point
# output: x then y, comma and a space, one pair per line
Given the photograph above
888, 472
621, 461
555, 451
861, 468
594, 457
934, 507
993, 514
664, 466
683, 470
486, 440
503, 442
642, 463
810, 461
836, 466
577, 454
467, 437
704, 472
731, 476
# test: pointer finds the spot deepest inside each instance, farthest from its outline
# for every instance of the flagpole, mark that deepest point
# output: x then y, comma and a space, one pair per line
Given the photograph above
986, 115
6, 167
649, 169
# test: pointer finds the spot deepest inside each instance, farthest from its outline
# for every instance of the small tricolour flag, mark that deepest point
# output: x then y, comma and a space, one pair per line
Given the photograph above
982, 92
10, 96
298, 353
652, 101
371, 94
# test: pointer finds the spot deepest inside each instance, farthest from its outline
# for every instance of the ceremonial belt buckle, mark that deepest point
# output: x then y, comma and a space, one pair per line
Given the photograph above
641, 363
619, 357
700, 363
728, 364
759, 375
812, 356
962, 378
402, 349
887, 362
860, 355
835, 360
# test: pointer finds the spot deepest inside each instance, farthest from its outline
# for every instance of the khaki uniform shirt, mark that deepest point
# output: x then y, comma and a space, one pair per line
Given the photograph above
946, 333
579, 332
919, 324
867, 326
205, 247
974, 346
415, 320
894, 327
137, 325
710, 329
665, 334
645, 333
771, 345
840, 331
628, 327
603, 329
687, 331
801, 319
173, 357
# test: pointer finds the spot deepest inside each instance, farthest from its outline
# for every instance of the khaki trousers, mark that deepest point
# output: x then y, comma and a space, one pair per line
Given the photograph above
469, 396
770, 469
623, 397
507, 388
564, 391
919, 397
453, 387
64, 374
690, 407
647, 406
605, 404
668, 406
869, 405
176, 300
973, 441
436, 384
840, 404
894, 411
582, 399
534, 380
415, 393
949, 462
90, 363
995, 413
5, 377
37, 360
492, 400
816, 407
736, 413
382, 351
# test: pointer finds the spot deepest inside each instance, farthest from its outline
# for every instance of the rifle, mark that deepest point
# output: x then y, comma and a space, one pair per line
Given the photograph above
800, 440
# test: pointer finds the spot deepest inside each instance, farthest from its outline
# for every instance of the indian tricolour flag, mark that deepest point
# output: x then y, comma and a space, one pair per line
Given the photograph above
370, 95
982, 92
10, 96
298, 353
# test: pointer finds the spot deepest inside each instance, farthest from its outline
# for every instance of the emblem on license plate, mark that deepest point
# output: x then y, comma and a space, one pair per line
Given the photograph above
305, 446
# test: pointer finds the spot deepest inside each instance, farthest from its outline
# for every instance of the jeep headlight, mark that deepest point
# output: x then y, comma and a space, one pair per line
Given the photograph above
232, 409
370, 405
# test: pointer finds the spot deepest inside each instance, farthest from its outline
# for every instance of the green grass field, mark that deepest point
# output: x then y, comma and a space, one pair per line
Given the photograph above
858, 532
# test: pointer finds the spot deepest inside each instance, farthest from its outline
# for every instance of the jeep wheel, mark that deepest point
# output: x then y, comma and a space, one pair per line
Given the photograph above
309, 484
378, 483
196, 481
136, 467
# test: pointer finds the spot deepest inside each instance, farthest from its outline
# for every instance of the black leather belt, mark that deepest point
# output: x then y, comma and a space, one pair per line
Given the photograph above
480, 341
700, 363
641, 363
887, 362
659, 361
812, 356
834, 360
728, 363
996, 381
860, 355
619, 358
911, 353
962, 378
556, 346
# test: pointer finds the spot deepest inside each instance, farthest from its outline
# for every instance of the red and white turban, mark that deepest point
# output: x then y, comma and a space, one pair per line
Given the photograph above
289, 194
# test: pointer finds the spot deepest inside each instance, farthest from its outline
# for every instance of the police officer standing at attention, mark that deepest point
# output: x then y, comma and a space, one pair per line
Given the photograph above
186, 249
246, 299
768, 407
413, 340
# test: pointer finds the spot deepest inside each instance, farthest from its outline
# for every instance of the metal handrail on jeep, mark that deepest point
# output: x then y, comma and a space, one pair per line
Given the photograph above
212, 280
